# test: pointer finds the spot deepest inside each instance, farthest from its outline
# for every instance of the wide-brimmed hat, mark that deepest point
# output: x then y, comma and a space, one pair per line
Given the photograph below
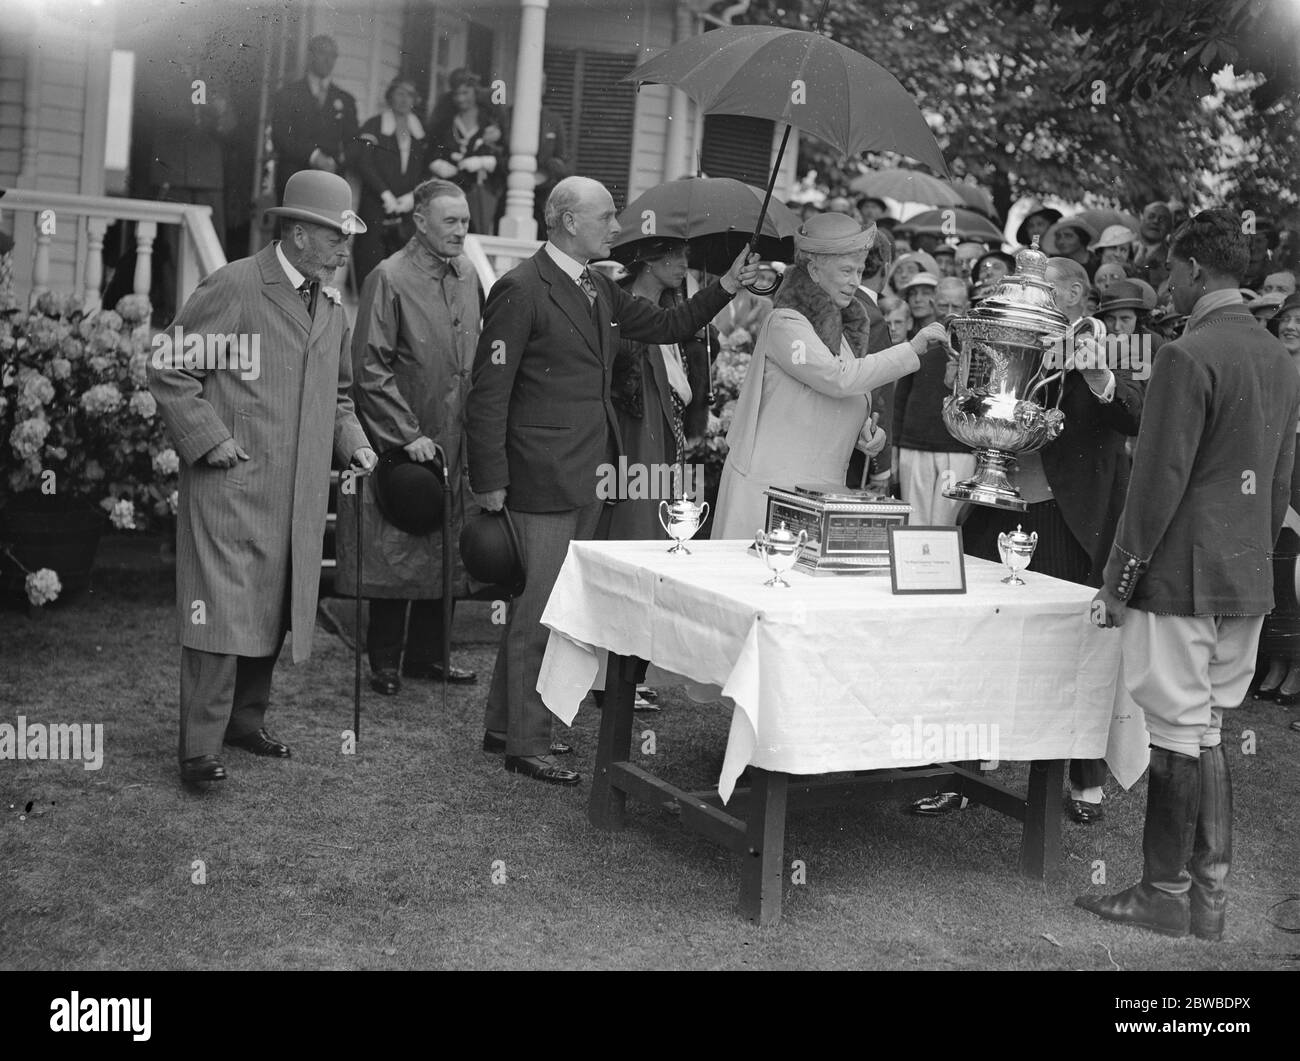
1114, 236
410, 493
321, 198
490, 551
944, 248
969, 251
1267, 304
1086, 234
1124, 294
1274, 323
921, 279
1053, 216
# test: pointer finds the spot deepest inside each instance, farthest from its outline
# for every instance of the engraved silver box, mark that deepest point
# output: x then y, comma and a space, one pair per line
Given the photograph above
848, 530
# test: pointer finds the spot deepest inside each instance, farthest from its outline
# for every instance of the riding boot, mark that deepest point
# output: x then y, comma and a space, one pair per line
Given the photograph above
1160, 902
1212, 848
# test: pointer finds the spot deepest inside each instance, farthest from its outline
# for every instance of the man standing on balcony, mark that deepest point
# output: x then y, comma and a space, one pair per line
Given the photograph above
255, 438
315, 122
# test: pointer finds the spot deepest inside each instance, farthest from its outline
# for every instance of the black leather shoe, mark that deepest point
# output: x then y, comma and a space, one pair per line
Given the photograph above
1082, 812
1142, 907
936, 804
432, 672
1268, 694
497, 746
203, 768
1296, 726
539, 771
385, 682
260, 743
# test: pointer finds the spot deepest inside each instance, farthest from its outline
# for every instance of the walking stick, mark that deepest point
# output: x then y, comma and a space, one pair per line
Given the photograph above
448, 601
356, 626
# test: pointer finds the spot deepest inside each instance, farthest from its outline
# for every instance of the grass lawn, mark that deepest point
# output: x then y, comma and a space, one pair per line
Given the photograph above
385, 859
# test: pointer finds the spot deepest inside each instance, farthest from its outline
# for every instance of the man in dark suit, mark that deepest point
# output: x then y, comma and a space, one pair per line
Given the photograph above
1075, 488
315, 122
1190, 578
540, 423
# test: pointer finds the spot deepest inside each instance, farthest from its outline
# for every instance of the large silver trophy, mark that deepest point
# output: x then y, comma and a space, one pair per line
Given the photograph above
1011, 346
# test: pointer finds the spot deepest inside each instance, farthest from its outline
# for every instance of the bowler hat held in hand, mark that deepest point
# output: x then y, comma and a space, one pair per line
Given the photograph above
411, 494
490, 551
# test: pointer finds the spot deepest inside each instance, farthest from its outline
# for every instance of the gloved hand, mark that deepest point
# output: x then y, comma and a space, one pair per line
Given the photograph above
440, 167
389, 200
406, 203
872, 438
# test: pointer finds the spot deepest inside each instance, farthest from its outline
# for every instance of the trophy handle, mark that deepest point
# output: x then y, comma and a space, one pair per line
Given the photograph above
953, 344
663, 507
704, 511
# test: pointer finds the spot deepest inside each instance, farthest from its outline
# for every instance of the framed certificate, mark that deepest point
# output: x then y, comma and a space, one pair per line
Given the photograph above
926, 560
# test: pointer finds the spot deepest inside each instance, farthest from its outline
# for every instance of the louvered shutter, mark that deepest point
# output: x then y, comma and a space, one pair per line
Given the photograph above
599, 109
738, 147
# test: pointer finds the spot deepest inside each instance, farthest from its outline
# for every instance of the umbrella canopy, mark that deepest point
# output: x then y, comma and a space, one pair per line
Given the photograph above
908, 186
1096, 220
803, 79
975, 197
954, 221
717, 214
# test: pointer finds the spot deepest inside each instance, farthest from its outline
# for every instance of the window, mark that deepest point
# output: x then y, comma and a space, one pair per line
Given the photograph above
598, 107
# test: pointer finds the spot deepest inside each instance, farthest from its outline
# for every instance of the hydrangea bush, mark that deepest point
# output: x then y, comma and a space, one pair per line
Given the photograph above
729, 368
78, 425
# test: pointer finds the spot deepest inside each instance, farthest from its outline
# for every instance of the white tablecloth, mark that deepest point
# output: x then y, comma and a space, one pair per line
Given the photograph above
837, 673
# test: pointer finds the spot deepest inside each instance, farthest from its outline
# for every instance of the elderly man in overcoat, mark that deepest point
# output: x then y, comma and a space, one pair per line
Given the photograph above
412, 354
255, 436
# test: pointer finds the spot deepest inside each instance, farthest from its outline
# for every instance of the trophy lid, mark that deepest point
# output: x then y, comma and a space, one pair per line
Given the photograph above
683, 506
1023, 299
781, 536
1018, 537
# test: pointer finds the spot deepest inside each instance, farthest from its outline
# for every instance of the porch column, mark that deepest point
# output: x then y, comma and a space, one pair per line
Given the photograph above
677, 147
526, 123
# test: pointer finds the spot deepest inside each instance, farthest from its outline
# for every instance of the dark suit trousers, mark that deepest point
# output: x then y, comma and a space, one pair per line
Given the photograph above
222, 696
1058, 554
514, 706
389, 632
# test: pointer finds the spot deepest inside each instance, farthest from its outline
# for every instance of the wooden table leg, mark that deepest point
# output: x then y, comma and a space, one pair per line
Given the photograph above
1040, 843
606, 806
762, 869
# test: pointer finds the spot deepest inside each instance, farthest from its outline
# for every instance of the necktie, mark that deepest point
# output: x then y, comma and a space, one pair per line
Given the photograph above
588, 286
308, 293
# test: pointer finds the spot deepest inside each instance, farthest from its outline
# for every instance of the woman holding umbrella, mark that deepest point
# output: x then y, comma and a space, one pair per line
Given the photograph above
806, 401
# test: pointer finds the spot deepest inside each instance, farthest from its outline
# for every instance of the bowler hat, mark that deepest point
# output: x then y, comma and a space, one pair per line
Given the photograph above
410, 493
490, 551
321, 198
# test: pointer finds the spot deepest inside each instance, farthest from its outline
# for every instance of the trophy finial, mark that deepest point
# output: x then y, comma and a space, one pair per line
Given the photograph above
1032, 262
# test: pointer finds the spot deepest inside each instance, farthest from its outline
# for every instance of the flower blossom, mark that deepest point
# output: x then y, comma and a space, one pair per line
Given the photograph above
42, 587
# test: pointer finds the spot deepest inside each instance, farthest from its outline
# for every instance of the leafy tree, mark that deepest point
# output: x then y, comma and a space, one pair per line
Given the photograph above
1017, 103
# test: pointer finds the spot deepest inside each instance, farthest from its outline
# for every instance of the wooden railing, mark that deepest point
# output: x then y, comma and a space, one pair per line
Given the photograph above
48, 215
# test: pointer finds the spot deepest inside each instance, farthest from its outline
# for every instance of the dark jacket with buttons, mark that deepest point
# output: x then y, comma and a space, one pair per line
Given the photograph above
1211, 476
539, 419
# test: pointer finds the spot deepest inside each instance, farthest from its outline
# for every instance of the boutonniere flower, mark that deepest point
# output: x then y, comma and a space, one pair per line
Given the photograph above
332, 293
338, 106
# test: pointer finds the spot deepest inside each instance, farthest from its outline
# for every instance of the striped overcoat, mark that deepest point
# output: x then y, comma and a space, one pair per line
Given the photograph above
244, 532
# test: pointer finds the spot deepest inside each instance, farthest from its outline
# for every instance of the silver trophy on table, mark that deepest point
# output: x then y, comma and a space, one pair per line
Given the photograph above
681, 520
1016, 549
1011, 346
780, 551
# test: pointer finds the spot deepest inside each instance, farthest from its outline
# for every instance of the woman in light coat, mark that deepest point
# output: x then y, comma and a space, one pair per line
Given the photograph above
806, 401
